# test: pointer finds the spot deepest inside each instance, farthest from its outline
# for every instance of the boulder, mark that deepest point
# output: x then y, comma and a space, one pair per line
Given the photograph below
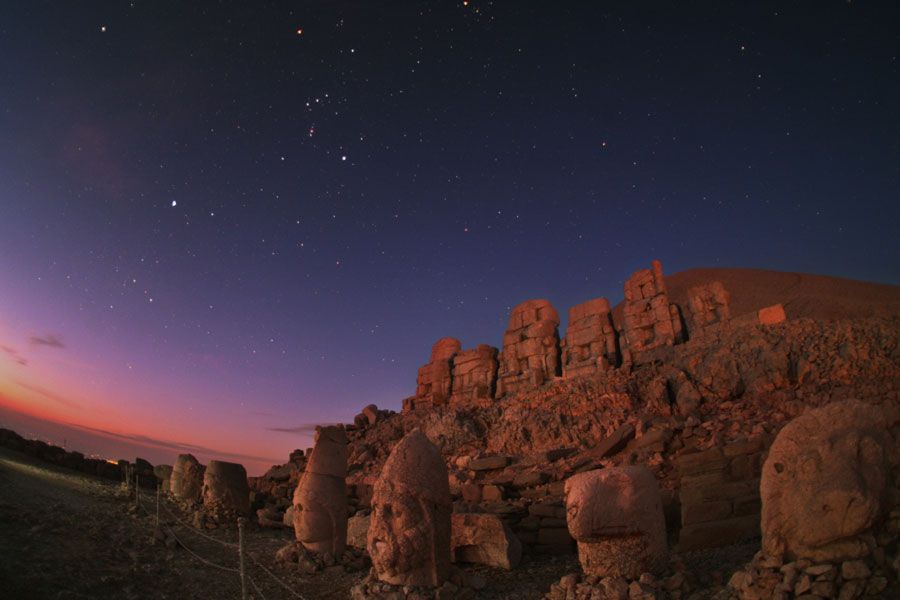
358, 530
484, 539
409, 534
186, 482
226, 493
824, 483
616, 516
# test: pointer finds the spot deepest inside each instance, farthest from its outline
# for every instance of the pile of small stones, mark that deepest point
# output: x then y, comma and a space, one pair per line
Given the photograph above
460, 586
576, 586
351, 561
874, 576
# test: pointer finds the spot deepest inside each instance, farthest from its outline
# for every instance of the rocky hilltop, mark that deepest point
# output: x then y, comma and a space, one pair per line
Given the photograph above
691, 377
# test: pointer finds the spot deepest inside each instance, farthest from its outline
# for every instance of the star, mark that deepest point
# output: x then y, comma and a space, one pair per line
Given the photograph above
174, 203
103, 28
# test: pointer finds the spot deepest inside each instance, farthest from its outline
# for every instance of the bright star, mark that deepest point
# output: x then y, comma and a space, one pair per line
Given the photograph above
174, 203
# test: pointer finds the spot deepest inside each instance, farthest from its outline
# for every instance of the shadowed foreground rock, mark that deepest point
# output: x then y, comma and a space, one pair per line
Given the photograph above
320, 500
616, 517
187, 478
824, 483
486, 540
226, 494
409, 535
164, 475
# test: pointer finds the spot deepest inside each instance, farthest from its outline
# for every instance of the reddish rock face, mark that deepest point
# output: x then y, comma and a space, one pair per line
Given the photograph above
433, 384
530, 348
649, 319
409, 534
486, 540
824, 483
709, 304
591, 343
164, 475
771, 315
187, 478
320, 500
616, 517
226, 493
474, 375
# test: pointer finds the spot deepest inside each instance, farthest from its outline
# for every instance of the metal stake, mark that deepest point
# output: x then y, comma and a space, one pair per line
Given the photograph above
241, 521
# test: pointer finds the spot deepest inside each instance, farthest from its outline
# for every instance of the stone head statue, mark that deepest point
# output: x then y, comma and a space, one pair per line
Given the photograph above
320, 500
824, 482
616, 516
409, 534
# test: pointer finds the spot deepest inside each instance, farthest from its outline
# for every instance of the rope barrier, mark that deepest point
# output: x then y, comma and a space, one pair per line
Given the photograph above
256, 588
195, 530
214, 565
191, 552
276, 578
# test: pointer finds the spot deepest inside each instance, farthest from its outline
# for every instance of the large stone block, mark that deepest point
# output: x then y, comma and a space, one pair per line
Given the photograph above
434, 381
187, 478
474, 375
616, 516
484, 539
409, 534
709, 304
320, 500
226, 493
591, 343
649, 320
825, 481
531, 354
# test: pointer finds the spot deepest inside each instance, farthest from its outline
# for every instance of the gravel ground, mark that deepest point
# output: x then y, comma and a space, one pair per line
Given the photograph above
66, 535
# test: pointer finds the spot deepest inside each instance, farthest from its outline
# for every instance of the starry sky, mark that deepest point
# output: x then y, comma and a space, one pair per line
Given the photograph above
221, 223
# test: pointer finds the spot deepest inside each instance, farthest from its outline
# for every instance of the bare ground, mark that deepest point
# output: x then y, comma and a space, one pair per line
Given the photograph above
66, 535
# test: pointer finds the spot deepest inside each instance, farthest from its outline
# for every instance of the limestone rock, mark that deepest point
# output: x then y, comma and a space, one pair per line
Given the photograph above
484, 539
771, 315
531, 353
164, 475
225, 490
591, 343
709, 304
357, 530
616, 517
474, 375
187, 478
650, 321
433, 384
320, 500
409, 535
824, 483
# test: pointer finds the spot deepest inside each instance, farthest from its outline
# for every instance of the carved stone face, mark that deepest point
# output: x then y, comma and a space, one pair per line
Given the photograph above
401, 536
409, 533
319, 514
824, 483
320, 500
615, 515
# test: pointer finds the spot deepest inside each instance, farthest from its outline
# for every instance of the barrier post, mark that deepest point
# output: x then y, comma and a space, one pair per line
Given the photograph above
241, 521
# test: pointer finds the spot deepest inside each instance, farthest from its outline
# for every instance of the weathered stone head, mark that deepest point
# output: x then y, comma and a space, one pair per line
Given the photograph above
409, 536
824, 482
187, 478
616, 517
320, 500
225, 489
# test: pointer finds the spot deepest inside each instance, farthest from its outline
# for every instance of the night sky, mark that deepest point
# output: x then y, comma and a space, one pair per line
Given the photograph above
223, 222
